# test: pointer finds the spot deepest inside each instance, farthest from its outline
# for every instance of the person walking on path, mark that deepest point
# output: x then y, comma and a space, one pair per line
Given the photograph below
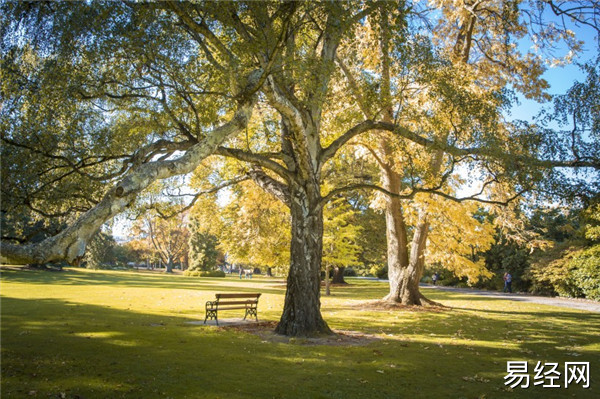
435, 278
507, 282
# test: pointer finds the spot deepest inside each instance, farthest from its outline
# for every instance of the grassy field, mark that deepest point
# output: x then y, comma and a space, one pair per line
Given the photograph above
100, 334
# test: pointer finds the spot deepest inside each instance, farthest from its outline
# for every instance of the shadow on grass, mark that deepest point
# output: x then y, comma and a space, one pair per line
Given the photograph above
53, 347
139, 280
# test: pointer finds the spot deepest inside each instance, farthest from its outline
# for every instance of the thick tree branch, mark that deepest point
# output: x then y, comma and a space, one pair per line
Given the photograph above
414, 191
70, 244
202, 29
278, 99
332, 35
274, 187
196, 196
255, 158
496, 153
338, 143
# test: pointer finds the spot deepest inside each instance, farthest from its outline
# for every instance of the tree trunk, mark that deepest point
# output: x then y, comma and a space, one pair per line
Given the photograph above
404, 273
404, 287
396, 235
327, 289
169, 265
302, 308
405, 269
338, 275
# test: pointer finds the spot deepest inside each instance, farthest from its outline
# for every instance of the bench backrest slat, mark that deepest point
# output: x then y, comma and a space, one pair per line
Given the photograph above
238, 302
228, 296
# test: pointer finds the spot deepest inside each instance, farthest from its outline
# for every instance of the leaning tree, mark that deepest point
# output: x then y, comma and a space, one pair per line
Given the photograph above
102, 99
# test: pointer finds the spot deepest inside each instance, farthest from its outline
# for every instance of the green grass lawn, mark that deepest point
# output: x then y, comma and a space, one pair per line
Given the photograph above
101, 334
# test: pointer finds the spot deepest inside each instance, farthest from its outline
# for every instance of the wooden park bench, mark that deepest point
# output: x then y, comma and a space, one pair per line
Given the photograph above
246, 301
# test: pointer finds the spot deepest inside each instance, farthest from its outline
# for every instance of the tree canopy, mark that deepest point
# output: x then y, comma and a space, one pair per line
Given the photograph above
102, 99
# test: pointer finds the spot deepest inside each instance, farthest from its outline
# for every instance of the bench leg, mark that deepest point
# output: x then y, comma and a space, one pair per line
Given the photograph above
251, 312
212, 314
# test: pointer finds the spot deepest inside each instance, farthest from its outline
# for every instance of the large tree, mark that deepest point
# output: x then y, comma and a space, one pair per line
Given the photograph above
448, 84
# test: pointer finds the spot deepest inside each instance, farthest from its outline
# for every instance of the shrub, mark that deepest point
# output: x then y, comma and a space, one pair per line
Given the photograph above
379, 271
506, 256
349, 272
549, 271
585, 272
448, 278
199, 273
574, 272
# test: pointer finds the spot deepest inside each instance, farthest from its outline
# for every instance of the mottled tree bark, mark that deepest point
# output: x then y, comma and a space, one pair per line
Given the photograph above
302, 308
405, 278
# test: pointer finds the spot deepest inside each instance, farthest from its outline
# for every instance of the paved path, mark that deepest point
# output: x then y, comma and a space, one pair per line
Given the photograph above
581, 304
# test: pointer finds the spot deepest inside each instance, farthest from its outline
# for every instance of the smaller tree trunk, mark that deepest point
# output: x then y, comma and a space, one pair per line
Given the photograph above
338, 275
169, 265
404, 288
327, 290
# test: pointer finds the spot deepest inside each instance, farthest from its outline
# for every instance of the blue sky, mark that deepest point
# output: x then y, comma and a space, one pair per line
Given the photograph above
560, 78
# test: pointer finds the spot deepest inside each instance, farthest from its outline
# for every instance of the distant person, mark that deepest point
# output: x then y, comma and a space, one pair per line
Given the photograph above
241, 271
435, 278
507, 282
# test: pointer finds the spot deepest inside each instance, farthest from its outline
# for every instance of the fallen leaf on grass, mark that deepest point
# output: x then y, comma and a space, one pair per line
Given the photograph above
476, 378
